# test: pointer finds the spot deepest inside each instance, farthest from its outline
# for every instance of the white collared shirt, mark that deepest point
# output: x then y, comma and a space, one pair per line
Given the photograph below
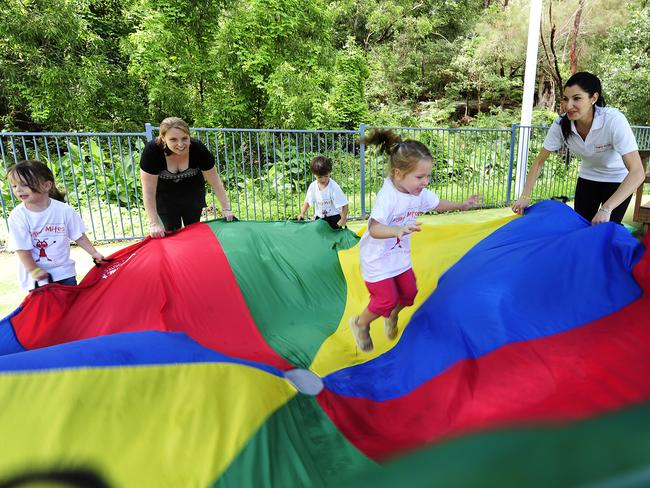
609, 138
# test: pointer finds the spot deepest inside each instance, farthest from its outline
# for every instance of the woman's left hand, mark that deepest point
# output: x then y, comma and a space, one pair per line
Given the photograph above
601, 217
227, 214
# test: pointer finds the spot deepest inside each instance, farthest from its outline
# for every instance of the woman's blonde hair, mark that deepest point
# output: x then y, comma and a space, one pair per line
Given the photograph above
404, 155
171, 123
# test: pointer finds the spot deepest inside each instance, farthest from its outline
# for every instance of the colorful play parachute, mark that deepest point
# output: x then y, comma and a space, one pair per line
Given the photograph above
221, 356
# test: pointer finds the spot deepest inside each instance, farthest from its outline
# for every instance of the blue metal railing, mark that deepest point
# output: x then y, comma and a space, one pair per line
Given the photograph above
266, 171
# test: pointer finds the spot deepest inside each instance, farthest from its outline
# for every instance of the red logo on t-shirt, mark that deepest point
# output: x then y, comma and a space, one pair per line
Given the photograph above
42, 246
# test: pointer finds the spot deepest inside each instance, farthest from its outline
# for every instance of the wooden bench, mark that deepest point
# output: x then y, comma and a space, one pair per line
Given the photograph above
642, 213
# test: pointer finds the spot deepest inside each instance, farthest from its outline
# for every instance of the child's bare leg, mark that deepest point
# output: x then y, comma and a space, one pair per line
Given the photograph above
366, 317
390, 323
360, 326
396, 311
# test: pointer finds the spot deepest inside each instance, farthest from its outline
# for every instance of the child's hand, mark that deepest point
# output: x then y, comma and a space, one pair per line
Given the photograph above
470, 202
38, 274
342, 221
227, 214
408, 229
301, 216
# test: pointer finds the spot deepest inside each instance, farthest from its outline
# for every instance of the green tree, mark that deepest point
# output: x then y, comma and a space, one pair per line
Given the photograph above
624, 66
170, 54
54, 73
346, 106
296, 97
408, 45
267, 51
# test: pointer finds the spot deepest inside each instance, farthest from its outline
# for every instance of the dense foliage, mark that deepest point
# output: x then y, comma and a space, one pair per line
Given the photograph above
327, 64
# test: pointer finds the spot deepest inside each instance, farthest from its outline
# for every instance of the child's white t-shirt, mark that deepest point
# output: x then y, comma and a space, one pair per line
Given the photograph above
385, 258
47, 234
609, 138
328, 201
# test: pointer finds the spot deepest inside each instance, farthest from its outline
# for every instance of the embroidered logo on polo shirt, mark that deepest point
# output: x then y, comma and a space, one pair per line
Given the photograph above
602, 147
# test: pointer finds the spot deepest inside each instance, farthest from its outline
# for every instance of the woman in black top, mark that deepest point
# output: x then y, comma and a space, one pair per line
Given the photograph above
173, 171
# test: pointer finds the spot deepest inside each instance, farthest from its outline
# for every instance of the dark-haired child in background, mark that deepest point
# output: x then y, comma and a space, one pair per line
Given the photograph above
325, 195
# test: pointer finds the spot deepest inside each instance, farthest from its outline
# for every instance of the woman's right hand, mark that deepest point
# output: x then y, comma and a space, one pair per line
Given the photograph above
228, 215
156, 230
520, 205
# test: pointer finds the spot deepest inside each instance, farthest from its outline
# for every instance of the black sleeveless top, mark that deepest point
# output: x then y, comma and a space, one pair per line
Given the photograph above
182, 189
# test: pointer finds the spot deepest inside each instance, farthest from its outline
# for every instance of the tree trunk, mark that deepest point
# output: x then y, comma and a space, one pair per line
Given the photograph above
546, 93
551, 56
478, 93
573, 51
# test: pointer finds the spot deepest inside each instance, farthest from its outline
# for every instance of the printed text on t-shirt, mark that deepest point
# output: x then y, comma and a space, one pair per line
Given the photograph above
409, 213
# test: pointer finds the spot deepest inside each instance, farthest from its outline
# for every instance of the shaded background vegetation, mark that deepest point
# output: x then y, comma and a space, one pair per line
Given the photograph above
114, 64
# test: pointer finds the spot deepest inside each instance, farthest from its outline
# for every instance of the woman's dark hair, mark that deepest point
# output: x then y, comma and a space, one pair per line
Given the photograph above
33, 174
321, 166
589, 83
404, 154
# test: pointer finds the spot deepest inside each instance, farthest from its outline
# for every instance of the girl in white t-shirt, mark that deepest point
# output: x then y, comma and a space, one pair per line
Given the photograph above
611, 168
41, 226
325, 195
384, 249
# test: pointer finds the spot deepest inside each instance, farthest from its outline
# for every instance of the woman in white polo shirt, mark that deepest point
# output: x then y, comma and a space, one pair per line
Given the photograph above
611, 168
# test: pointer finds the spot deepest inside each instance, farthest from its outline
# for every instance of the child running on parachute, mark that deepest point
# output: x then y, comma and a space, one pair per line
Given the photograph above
385, 247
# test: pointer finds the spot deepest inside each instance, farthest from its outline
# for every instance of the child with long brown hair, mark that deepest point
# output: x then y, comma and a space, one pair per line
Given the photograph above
41, 226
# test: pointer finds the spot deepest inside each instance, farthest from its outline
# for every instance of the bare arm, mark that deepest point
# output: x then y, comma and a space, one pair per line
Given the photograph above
212, 177
447, 206
344, 216
382, 231
84, 243
634, 178
303, 211
524, 199
27, 260
149, 186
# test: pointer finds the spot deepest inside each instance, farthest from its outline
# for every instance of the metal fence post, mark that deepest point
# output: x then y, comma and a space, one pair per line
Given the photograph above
511, 159
148, 131
362, 162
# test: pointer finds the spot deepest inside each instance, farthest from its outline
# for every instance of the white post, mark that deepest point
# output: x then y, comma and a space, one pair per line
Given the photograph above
530, 75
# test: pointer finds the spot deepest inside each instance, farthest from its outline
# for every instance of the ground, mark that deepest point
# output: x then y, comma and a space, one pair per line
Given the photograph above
11, 295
